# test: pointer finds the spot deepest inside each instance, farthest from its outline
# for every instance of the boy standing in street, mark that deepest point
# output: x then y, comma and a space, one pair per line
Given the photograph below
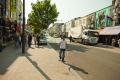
63, 45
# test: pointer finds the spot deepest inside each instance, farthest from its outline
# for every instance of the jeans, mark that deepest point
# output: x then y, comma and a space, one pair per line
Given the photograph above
62, 54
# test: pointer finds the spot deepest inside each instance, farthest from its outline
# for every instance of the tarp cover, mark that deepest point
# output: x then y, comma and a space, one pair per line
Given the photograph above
75, 32
110, 31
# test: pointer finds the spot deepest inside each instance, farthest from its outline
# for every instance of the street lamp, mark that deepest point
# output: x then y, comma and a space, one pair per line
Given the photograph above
23, 29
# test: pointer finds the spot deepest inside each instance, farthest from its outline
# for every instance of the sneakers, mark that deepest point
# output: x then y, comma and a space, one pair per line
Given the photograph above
62, 60
59, 59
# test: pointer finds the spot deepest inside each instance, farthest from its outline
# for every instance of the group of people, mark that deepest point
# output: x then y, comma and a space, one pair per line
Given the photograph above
18, 39
37, 40
114, 42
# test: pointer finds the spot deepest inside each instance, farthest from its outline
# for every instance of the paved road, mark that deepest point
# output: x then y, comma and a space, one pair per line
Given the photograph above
92, 63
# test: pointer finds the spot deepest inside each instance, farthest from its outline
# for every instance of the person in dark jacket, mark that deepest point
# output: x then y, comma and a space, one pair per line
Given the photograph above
38, 40
70, 38
29, 40
0, 44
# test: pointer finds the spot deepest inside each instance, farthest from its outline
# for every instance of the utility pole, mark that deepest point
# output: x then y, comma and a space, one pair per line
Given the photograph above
23, 29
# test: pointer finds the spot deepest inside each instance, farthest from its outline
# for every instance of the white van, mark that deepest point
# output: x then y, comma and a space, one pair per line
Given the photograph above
89, 36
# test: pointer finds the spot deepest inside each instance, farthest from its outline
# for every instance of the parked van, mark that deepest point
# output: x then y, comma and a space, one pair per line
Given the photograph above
89, 36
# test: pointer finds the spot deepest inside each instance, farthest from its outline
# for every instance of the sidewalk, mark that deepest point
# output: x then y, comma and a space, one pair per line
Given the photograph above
45, 59
15, 66
37, 64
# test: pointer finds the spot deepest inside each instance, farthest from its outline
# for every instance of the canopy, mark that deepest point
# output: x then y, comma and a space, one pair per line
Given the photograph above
75, 32
110, 31
99, 30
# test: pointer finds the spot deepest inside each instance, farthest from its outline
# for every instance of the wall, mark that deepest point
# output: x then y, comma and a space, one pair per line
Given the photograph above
90, 21
83, 21
116, 4
19, 11
78, 22
102, 19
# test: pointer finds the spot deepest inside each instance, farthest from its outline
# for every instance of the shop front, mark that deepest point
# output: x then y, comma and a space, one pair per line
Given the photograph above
110, 33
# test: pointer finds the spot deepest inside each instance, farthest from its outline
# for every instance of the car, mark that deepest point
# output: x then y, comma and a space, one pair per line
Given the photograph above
43, 40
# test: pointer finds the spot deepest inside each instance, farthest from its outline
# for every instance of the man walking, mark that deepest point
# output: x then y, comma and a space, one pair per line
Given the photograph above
29, 40
38, 39
70, 38
119, 43
63, 45
113, 42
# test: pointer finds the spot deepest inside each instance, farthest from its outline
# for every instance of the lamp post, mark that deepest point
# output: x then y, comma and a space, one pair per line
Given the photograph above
23, 29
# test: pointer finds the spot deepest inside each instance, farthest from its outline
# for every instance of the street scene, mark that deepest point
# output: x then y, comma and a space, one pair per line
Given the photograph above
54, 40
92, 62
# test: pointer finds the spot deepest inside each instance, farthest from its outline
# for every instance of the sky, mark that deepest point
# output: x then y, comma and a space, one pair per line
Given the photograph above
69, 9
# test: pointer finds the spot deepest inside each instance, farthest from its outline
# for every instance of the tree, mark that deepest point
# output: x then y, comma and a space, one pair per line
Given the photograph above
42, 15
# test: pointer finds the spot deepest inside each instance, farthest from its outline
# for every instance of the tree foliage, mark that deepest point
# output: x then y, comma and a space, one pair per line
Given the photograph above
42, 15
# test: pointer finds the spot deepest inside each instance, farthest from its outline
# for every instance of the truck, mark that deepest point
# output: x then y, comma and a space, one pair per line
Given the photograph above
84, 36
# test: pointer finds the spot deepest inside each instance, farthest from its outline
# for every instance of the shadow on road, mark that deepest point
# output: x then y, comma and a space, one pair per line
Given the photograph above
70, 47
100, 45
76, 68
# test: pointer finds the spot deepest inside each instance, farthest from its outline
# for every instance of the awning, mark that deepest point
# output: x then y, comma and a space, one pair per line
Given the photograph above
110, 31
99, 30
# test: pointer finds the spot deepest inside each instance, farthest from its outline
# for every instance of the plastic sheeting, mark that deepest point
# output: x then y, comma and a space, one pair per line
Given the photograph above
110, 31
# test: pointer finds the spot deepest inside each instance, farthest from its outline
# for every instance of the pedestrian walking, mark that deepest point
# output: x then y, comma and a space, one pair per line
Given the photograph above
35, 41
0, 44
113, 42
119, 43
38, 40
16, 39
29, 40
20, 40
26, 39
63, 45
70, 38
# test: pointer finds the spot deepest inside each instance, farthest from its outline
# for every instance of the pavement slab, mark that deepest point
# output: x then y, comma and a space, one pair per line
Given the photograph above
21, 69
37, 64
46, 59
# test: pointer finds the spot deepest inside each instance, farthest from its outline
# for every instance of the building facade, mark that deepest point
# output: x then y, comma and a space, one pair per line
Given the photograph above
103, 18
90, 21
19, 11
84, 22
77, 22
116, 16
8, 14
56, 29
